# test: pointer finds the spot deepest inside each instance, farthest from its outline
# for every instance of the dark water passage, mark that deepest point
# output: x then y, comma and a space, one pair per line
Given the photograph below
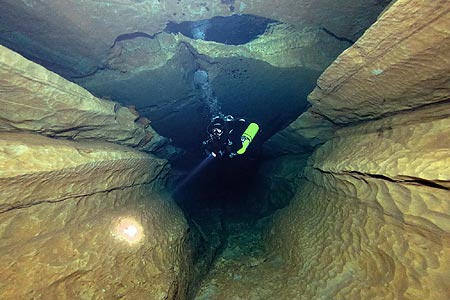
220, 183
232, 30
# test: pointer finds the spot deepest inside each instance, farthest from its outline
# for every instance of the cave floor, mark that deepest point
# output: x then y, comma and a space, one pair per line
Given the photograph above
243, 269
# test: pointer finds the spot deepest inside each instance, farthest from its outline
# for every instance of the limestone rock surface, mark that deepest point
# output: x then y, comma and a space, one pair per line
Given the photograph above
86, 220
282, 46
400, 63
301, 136
81, 33
243, 270
81, 215
372, 220
36, 100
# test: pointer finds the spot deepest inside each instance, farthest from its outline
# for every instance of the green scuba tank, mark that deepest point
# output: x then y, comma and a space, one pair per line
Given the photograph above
247, 137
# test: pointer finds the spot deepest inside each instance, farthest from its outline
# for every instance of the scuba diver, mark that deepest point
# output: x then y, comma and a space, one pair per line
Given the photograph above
228, 137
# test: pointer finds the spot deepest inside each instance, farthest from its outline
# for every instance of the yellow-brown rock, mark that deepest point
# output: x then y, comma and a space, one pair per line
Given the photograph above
34, 99
282, 46
87, 221
370, 220
373, 221
81, 217
399, 64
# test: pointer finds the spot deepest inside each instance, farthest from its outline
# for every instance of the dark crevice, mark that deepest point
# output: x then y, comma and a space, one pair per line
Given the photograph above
198, 56
122, 37
398, 112
325, 117
339, 38
425, 182
401, 179
133, 35
9, 207
90, 73
232, 30
4, 208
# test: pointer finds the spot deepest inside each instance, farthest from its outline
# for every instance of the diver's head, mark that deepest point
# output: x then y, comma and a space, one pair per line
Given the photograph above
217, 131
216, 128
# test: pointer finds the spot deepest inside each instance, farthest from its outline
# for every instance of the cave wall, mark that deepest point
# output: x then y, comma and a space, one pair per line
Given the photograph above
371, 218
400, 64
74, 37
121, 50
35, 100
83, 213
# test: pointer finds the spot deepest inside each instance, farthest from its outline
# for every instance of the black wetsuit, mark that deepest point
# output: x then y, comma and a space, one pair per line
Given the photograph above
229, 142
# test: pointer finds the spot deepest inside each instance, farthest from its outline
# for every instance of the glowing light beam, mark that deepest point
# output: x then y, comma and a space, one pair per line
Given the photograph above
194, 172
129, 230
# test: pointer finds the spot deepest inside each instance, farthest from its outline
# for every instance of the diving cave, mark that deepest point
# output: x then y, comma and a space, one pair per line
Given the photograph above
107, 191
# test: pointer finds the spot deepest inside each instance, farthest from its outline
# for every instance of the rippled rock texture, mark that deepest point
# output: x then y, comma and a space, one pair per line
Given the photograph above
400, 64
81, 217
372, 220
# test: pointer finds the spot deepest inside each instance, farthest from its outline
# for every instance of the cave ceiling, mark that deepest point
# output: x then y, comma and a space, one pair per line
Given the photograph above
125, 51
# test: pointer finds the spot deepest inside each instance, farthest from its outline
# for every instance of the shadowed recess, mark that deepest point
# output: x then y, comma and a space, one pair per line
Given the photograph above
232, 30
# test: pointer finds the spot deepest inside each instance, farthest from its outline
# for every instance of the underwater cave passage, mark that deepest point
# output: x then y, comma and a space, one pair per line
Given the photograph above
231, 30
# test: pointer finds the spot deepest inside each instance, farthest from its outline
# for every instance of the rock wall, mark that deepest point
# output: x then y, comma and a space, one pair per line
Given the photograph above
80, 39
400, 64
372, 220
36, 100
82, 217
276, 184
119, 50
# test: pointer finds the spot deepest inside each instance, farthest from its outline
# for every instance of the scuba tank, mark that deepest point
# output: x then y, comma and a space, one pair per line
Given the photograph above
247, 137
